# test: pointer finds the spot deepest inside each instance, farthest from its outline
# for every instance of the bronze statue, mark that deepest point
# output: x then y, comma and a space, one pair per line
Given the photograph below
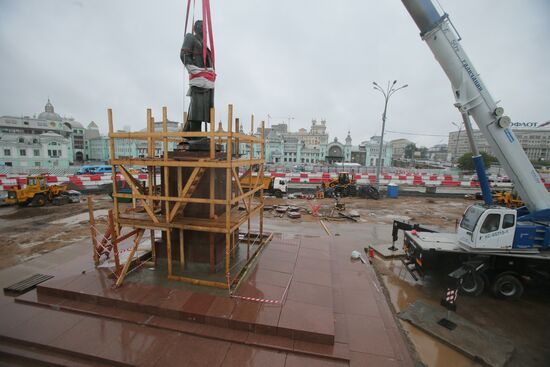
201, 78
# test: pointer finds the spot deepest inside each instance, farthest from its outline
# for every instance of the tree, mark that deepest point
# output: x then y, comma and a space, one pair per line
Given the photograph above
423, 152
409, 150
466, 163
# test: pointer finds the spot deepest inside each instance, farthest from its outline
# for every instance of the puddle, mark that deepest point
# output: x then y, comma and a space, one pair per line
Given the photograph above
403, 291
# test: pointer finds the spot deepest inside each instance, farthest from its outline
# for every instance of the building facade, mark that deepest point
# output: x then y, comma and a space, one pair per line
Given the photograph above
439, 153
313, 147
534, 140
305, 146
43, 141
398, 147
46, 150
372, 152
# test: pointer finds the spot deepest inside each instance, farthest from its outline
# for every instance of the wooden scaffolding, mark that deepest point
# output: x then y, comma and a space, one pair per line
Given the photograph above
164, 212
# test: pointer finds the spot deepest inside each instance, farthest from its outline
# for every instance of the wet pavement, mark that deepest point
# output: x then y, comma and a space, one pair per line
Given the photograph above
523, 322
329, 311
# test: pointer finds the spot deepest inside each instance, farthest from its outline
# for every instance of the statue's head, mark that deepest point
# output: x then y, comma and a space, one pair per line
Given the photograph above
198, 28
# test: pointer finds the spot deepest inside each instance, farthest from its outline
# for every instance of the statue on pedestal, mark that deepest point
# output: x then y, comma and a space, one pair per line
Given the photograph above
198, 61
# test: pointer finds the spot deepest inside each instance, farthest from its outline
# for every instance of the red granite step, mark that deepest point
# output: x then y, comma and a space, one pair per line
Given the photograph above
292, 277
14, 353
338, 351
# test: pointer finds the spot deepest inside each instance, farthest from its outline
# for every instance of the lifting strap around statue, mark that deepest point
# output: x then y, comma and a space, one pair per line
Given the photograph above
208, 35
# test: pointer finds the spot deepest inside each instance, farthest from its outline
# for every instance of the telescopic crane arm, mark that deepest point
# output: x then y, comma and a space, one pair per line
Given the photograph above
473, 98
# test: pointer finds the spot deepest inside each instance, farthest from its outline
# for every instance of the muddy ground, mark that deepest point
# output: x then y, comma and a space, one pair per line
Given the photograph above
440, 213
29, 232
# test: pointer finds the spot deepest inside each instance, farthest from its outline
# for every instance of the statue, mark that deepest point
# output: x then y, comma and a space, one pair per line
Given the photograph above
201, 82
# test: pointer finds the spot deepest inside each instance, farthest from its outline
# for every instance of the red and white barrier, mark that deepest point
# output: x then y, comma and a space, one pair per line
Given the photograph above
409, 179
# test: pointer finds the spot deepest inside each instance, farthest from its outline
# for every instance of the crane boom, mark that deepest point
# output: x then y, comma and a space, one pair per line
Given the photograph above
472, 97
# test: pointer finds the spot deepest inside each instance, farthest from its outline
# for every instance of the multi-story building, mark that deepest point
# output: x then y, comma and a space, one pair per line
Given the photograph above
313, 147
372, 152
46, 150
534, 140
45, 141
305, 147
439, 153
398, 147
138, 148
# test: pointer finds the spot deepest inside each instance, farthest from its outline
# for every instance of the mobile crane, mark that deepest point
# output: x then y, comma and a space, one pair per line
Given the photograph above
494, 246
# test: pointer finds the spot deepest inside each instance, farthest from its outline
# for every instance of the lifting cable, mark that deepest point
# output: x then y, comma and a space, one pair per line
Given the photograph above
208, 35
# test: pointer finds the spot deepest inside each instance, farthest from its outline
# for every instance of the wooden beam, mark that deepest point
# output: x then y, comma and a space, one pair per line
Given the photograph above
122, 274
114, 241
228, 198
172, 198
181, 232
205, 164
112, 158
262, 158
194, 281
175, 135
182, 248
92, 229
240, 188
146, 206
187, 189
212, 133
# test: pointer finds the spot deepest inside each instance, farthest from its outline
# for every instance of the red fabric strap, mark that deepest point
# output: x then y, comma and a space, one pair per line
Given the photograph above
210, 32
208, 74
187, 16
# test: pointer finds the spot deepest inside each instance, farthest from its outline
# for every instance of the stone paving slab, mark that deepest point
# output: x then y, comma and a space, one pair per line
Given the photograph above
327, 292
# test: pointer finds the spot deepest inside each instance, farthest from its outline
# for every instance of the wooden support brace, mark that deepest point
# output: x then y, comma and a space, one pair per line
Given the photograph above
135, 189
92, 230
122, 274
240, 188
190, 186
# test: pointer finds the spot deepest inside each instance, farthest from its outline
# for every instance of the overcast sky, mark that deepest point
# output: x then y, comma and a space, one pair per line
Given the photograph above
298, 58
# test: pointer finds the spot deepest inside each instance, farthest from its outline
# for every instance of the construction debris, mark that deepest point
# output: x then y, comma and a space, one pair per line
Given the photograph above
294, 214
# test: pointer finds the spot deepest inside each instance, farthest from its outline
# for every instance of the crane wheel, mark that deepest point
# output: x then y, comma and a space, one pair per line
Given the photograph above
472, 284
39, 200
507, 286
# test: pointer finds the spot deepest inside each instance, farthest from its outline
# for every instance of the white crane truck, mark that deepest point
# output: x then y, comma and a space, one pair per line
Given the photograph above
494, 247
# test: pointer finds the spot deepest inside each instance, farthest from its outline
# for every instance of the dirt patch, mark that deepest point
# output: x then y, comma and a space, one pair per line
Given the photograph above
29, 212
440, 213
29, 232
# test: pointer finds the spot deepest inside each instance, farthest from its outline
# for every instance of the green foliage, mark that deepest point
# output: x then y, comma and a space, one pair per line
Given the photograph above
466, 163
409, 150
423, 152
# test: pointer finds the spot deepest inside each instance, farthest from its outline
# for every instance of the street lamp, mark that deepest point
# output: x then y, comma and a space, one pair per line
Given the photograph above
388, 92
457, 138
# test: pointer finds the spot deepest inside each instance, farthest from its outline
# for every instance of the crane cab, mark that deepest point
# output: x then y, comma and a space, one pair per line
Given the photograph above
487, 227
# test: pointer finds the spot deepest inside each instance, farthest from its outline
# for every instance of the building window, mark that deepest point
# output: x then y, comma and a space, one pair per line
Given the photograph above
35, 141
37, 153
37, 164
7, 152
22, 152
21, 140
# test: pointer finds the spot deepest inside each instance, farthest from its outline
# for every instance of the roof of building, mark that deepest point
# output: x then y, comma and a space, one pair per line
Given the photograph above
49, 113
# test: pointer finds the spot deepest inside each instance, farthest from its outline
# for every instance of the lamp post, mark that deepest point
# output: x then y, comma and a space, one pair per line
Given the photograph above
388, 92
